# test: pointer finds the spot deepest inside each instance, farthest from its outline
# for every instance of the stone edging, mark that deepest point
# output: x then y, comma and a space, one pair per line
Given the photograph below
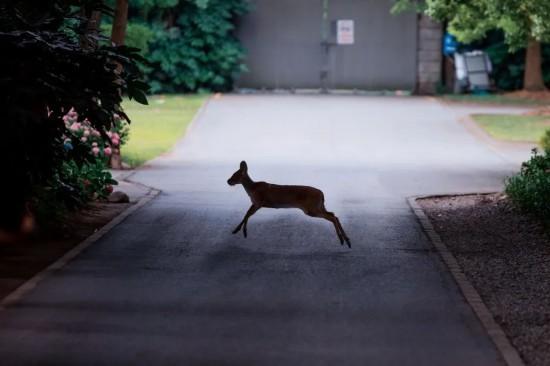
495, 332
28, 285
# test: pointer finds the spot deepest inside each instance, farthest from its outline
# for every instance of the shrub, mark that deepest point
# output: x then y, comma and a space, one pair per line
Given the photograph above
138, 35
46, 74
545, 142
83, 175
199, 50
530, 189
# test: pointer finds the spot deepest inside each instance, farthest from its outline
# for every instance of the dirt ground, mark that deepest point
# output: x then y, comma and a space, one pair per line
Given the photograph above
21, 260
506, 256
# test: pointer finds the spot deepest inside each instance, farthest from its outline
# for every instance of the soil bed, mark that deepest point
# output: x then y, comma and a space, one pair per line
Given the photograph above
506, 256
19, 261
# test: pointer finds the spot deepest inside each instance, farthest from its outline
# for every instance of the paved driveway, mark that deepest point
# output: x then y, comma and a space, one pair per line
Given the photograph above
171, 285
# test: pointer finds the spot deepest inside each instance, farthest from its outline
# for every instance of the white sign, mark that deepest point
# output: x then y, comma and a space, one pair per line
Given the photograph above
344, 32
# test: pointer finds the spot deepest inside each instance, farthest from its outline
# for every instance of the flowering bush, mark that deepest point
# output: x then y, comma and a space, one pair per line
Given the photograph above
50, 69
89, 150
83, 133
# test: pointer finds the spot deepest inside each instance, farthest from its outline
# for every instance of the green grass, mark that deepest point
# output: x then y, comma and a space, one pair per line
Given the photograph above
513, 127
156, 127
498, 99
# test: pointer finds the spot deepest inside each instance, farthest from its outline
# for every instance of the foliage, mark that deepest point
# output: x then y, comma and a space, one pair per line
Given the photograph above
519, 20
192, 46
138, 35
530, 189
47, 73
545, 142
156, 129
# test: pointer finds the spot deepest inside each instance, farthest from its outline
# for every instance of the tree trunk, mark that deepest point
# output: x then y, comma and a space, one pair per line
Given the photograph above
87, 41
120, 21
532, 79
118, 34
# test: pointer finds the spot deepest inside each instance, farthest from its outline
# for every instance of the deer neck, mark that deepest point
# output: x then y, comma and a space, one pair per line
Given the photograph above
247, 183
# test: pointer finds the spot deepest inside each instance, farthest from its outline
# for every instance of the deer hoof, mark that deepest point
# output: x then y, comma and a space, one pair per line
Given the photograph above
235, 231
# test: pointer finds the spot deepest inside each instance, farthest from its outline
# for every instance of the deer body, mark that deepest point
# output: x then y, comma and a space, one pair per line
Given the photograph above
308, 199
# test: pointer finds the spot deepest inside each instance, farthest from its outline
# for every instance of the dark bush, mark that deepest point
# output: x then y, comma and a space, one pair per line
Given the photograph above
44, 72
192, 46
530, 189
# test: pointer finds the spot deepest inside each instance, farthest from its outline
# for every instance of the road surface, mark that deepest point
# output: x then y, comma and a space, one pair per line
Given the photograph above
172, 285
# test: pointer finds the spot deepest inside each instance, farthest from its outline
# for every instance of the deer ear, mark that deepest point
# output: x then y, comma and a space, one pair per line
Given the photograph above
244, 166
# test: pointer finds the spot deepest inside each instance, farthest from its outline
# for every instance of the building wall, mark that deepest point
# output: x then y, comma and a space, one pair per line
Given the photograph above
283, 39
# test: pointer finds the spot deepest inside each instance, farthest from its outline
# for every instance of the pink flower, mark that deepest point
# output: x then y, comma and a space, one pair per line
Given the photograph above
75, 126
72, 113
83, 139
94, 144
96, 133
115, 136
95, 150
86, 132
109, 133
115, 142
107, 151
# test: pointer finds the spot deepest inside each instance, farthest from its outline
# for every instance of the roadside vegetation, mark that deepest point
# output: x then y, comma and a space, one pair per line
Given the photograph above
498, 99
156, 128
61, 125
190, 44
530, 188
516, 128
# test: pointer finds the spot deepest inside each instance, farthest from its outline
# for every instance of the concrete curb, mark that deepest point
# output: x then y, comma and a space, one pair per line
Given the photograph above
27, 286
494, 331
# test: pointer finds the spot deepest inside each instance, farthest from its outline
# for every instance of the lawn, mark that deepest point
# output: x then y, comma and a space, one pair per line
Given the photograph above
513, 127
497, 99
156, 127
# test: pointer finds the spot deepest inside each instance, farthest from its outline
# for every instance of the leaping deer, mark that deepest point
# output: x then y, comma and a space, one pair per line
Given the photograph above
308, 199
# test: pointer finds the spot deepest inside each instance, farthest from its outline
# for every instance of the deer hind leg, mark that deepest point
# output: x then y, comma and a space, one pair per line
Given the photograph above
251, 211
330, 217
346, 238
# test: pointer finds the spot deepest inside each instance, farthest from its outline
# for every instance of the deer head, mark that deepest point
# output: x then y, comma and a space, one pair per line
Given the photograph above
237, 177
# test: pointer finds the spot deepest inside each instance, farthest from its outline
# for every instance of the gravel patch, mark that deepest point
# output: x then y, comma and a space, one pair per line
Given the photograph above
506, 256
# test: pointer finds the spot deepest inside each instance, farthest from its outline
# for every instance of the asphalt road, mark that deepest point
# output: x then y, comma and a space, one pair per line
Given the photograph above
172, 285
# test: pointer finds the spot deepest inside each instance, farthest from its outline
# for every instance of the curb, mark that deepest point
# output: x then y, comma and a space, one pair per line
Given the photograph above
494, 331
28, 285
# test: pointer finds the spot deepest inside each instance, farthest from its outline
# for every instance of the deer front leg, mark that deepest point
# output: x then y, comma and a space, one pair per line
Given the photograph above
251, 211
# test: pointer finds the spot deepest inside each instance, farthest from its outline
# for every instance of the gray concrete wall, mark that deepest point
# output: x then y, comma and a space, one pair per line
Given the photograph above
283, 42
384, 53
282, 39
430, 35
